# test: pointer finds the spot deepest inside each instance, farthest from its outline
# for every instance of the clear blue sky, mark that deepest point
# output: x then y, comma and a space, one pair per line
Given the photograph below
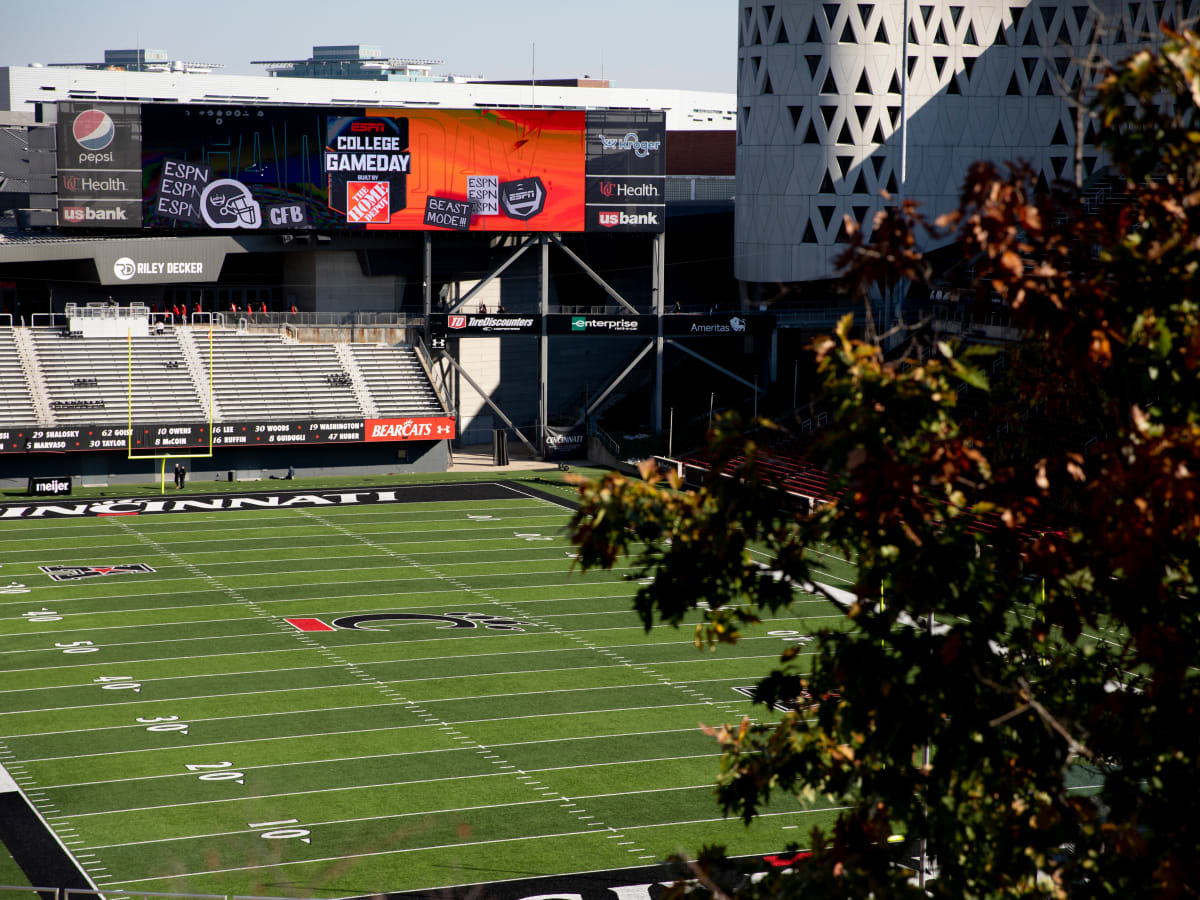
643, 43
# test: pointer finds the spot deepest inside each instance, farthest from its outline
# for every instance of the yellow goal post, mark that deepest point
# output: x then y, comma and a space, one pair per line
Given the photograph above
163, 457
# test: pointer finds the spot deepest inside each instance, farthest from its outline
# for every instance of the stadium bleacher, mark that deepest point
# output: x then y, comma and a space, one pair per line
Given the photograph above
87, 379
64, 378
258, 376
16, 399
396, 380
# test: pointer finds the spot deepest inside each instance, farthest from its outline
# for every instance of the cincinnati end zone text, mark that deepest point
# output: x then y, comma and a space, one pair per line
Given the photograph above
136, 506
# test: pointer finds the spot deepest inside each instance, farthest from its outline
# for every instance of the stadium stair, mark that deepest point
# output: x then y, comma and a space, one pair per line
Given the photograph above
398, 383
357, 382
197, 369
22, 393
31, 379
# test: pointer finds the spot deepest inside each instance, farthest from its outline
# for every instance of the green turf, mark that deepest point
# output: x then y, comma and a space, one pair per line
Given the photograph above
404, 757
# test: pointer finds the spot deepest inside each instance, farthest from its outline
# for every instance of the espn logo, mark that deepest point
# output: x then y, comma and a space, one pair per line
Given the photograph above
356, 127
456, 322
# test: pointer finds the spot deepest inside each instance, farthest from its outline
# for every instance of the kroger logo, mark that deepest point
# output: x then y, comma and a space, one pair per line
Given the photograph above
641, 149
93, 129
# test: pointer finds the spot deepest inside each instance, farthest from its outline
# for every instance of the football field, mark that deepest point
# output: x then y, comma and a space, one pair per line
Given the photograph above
317, 698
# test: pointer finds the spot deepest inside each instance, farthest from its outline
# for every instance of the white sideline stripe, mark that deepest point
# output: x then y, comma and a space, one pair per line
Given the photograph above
370, 787
557, 798
9, 786
474, 748
461, 844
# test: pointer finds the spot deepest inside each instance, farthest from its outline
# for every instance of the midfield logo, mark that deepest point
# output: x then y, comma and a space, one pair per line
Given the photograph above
453, 620
73, 573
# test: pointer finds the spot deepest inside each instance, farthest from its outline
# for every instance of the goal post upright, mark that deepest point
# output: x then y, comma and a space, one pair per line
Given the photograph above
129, 454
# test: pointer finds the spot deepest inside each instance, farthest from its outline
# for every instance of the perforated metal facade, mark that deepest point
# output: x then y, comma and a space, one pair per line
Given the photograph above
837, 101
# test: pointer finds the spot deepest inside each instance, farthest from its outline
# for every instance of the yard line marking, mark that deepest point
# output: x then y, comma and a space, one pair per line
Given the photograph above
458, 845
352, 685
322, 571
471, 535
424, 567
341, 665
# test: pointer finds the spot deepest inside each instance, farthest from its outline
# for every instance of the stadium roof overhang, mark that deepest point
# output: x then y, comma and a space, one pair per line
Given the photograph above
154, 260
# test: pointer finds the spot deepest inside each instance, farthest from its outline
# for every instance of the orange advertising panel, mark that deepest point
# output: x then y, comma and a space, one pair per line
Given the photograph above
521, 170
218, 168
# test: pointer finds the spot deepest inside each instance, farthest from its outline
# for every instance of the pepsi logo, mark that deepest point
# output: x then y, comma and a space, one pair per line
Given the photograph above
93, 129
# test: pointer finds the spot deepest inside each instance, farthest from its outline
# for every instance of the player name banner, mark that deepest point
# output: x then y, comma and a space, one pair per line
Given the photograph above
147, 440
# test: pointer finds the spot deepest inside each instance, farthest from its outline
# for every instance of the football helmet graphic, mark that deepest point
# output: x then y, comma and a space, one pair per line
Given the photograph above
226, 203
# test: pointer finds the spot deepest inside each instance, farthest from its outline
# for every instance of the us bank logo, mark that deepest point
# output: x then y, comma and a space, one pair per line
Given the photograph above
93, 129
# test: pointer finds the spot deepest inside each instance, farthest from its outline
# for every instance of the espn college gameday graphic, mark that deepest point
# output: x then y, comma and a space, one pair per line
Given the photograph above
338, 169
193, 167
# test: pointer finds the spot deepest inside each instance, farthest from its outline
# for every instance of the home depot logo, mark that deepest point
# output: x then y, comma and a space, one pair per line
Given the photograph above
368, 202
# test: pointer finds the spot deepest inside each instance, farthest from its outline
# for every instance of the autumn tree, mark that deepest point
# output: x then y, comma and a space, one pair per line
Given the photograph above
1036, 551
